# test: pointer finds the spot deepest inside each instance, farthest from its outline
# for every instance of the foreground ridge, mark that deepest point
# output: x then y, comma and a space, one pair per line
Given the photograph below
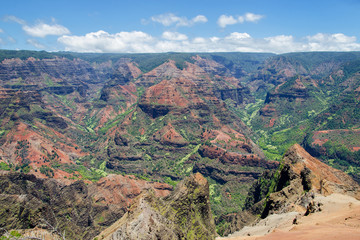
184, 214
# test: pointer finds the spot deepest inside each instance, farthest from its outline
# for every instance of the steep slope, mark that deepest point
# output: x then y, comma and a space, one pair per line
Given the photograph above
300, 94
303, 187
184, 214
78, 209
164, 136
338, 219
164, 116
32, 137
101, 114
306, 173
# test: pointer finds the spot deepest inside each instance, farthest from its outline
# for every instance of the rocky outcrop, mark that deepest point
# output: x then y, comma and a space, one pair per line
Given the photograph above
295, 91
292, 188
168, 136
81, 210
223, 176
31, 70
225, 157
169, 95
302, 175
238, 95
184, 214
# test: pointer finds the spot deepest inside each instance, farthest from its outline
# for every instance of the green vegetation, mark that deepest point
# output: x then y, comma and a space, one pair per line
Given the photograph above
338, 155
285, 110
310, 60
25, 54
115, 121
4, 166
49, 172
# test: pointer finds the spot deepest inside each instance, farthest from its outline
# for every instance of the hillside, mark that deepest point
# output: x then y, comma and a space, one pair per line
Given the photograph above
156, 118
306, 198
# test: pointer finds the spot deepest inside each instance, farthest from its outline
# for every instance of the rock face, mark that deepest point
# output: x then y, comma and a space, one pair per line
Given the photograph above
303, 175
292, 188
184, 214
173, 118
82, 210
168, 136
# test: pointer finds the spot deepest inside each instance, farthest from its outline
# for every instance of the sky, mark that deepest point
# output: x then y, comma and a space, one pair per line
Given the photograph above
141, 26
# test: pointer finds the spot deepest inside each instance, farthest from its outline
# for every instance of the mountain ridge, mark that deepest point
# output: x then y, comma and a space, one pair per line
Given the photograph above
163, 117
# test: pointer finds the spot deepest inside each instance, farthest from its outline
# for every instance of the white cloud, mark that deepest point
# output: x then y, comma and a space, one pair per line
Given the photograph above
14, 19
225, 20
137, 42
40, 29
282, 43
336, 38
238, 36
102, 41
35, 43
332, 42
174, 36
1, 31
199, 40
169, 19
251, 17
43, 30
200, 19
214, 39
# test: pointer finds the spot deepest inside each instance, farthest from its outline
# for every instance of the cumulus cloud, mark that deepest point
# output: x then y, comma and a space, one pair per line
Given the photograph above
238, 36
137, 42
199, 19
102, 41
169, 19
251, 17
35, 43
42, 30
332, 42
225, 20
174, 36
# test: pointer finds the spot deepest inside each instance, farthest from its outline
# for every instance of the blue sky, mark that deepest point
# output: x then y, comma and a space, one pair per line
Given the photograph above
184, 26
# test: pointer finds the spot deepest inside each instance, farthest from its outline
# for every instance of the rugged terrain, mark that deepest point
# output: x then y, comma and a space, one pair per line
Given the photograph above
80, 210
305, 197
184, 214
162, 117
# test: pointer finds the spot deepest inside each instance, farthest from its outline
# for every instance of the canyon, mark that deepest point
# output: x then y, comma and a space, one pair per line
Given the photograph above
88, 141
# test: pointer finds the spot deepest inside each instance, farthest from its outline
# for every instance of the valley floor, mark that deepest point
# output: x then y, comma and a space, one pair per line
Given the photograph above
338, 219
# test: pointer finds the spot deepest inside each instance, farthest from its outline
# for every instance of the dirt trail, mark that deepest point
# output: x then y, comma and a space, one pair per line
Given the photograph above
339, 219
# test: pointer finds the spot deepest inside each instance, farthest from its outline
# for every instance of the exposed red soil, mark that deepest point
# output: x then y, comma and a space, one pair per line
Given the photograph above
319, 140
37, 149
166, 70
225, 157
323, 176
121, 190
142, 131
135, 71
268, 111
271, 123
169, 136
165, 93
332, 224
